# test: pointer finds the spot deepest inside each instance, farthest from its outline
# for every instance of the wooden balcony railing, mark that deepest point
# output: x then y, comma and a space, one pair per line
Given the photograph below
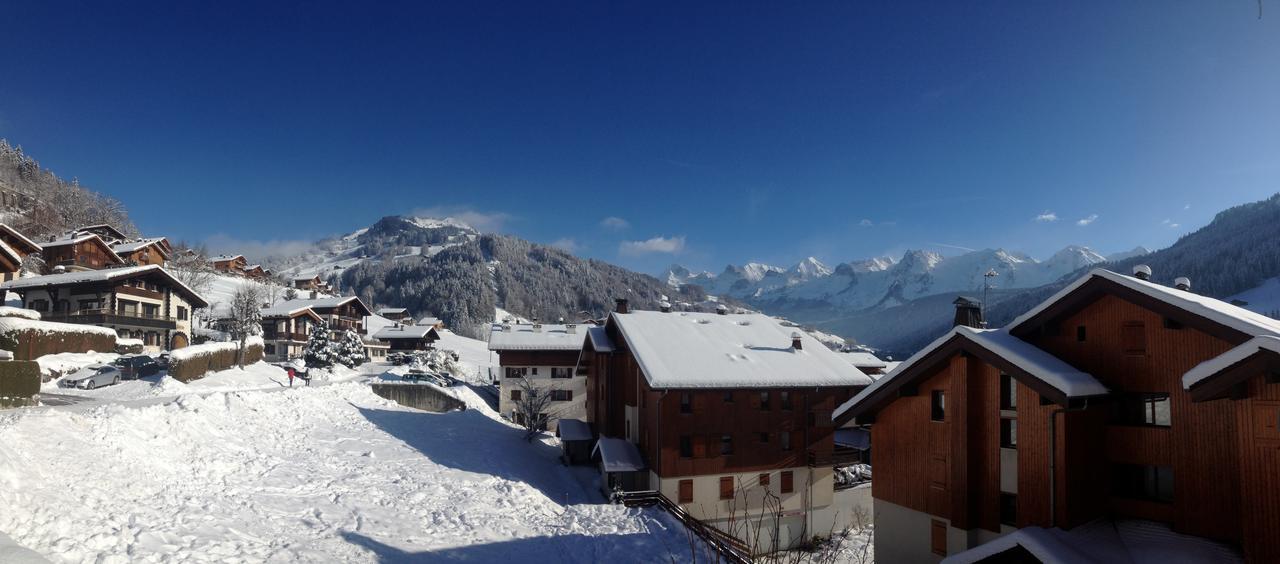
113, 317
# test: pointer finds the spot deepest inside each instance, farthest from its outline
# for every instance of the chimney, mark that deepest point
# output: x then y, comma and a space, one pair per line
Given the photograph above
968, 313
620, 306
795, 341
571, 328
313, 294
722, 309
1182, 283
1142, 272
665, 306
506, 327
537, 326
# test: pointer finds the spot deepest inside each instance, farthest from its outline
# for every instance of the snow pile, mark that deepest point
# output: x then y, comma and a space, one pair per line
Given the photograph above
10, 311
320, 474
188, 353
52, 365
13, 553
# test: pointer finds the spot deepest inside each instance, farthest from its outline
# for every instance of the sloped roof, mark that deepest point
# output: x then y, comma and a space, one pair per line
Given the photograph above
599, 338
104, 275
391, 310
31, 245
1024, 361
223, 258
132, 246
709, 350
863, 359
287, 309
414, 332
573, 430
522, 337
328, 303
73, 239
618, 455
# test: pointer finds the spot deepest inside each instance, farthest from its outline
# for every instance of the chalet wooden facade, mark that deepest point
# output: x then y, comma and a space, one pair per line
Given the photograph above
286, 329
541, 357
340, 314
311, 283
79, 251
14, 249
142, 302
1080, 410
397, 314
155, 250
730, 413
404, 338
107, 232
230, 264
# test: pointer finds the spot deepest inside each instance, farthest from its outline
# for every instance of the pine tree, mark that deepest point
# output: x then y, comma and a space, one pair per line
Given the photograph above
320, 351
352, 353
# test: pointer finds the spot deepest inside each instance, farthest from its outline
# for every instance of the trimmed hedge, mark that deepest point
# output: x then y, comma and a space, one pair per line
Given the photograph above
30, 340
194, 367
19, 383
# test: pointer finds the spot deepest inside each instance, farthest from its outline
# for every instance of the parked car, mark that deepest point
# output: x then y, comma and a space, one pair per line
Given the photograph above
91, 377
163, 361
136, 366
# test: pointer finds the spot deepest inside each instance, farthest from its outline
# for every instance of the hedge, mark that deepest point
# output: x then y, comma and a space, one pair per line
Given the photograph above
193, 362
30, 339
19, 383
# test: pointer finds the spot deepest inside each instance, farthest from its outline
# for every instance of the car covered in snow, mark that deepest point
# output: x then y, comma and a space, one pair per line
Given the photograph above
136, 366
91, 377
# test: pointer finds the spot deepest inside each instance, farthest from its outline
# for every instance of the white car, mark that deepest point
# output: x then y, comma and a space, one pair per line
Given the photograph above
91, 377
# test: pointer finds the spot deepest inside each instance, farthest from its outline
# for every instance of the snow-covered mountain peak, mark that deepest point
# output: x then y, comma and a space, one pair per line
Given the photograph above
1135, 252
754, 271
809, 268
436, 223
1071, 259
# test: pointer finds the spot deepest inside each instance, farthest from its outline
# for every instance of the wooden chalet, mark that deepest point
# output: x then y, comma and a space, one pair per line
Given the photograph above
311, 283
139, 302
543, 356
407, 337
340, 314
155, 250
255, 271
108, 232
397, 314
14, 248
286, 329
730, 413
1118, 401
79, 251
230, 264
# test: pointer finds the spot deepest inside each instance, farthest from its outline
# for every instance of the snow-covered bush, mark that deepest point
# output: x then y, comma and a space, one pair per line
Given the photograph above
30, 339
326, 348
19, 383
10, 311
193, 362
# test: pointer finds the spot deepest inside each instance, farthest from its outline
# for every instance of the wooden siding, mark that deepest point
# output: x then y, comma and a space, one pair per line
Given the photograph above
1259, 469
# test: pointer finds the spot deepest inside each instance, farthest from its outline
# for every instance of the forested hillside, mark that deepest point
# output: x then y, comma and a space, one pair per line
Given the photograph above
39, 203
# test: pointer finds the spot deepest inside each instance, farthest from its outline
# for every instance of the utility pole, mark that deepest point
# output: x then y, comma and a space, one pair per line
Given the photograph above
986, 286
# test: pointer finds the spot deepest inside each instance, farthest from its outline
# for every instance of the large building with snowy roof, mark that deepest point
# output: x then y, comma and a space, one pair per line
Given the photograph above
1116, 400
729, 413
138, 302
541, 357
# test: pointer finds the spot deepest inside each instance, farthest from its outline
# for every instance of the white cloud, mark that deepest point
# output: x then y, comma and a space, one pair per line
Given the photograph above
1088, 220
256, 251
670, 245
1046, 216
613, 222
866, 223
480, 220
1186, 207
1169, 223
567, 244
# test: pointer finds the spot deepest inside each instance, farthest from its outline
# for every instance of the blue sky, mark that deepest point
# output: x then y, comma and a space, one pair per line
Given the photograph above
714, 133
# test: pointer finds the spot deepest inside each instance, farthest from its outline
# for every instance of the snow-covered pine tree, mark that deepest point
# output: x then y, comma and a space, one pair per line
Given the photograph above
320, 351
351, 350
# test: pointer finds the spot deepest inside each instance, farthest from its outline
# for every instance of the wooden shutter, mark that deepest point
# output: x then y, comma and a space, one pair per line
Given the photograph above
726, 487
686, 491
700, 446
699, 403
1134, 337
754, 400
787, 484
938, 537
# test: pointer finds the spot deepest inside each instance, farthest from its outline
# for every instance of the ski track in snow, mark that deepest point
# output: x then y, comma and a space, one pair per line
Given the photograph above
323, 474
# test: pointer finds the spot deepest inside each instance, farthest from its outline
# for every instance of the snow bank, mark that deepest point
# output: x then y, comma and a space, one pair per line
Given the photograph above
194, 362
321, 474
13, 553
10, 311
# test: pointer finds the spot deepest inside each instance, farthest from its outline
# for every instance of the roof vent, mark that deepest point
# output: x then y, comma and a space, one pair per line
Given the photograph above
537, 325
620, 306
722, 309
1182, 283
1142, 272
795, 341
665, 306
571, 328
59, 269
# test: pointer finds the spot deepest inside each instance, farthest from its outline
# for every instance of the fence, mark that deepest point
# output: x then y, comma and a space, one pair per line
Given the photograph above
732, 549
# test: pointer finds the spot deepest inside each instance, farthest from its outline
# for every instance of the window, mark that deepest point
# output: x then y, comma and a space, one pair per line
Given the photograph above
784, 398
1009, 509
726, 487
785, 438
686, 491
764, 438
728, 397
150, 310
938, 412
938, 537
561, 395
269, 348
1008, 393
1008, 433
514, 372
1137, 481
515, 395
182, 313
726, 444
40, 305
535, 371
1080, 333
686, 446
686, 402
788, 484
561, 372
764, 480
1141, 409
1133, 337
764, 401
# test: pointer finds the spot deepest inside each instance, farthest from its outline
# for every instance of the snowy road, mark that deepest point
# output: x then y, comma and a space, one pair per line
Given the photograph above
322, 474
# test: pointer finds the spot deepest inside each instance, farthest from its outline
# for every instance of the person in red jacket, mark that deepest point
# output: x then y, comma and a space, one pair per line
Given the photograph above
291, 374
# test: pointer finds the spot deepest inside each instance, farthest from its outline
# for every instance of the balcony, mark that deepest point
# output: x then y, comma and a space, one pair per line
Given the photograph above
110, 317
284, 336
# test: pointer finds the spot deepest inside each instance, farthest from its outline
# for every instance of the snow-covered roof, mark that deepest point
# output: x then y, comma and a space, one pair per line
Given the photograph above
428, 320
1227, 359
573, 430
523, 337
104, 275
863, 359
1213, 309
392, 311
76, 238
35, 247
1032, 360
415, 332
285, 309
131, 246
224, 258
710, 350
10, 252
307, 278
600, 340
618, 455
324, 303
1042, 543
1103, 541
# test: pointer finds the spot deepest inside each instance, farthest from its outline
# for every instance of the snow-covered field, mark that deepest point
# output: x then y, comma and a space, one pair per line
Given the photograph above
329, 473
